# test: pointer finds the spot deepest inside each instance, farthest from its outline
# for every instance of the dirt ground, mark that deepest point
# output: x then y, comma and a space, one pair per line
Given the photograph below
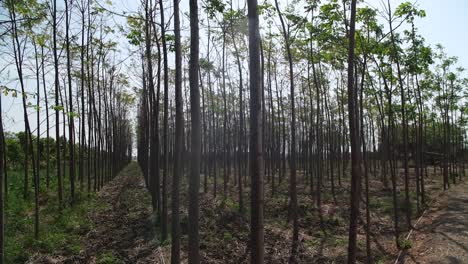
125, 229
442, 236
123, 232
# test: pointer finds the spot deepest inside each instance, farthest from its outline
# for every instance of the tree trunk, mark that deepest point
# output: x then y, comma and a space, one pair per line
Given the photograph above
194, 178
355, 145
256, 146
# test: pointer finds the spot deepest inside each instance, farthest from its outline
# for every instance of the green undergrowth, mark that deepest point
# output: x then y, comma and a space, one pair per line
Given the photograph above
384, 204
59, 228
405, 243
329, 240
107, 257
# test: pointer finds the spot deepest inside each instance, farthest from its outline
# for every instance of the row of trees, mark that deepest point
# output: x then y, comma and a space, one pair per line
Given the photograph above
71, 75
400, 93
405, 106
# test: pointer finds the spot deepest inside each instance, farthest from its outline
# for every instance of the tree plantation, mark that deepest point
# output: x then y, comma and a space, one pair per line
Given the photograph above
222, 131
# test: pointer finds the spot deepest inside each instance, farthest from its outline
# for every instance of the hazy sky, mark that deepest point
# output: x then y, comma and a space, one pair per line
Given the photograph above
446, 22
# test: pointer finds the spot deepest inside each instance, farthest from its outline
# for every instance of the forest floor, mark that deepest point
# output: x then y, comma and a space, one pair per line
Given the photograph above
442, 236
123, 228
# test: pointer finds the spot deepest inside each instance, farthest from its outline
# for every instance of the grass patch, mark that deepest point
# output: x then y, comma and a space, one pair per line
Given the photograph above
405, 244
384, 204
231, 204
107, 257
382, 259
328, 241
313, 243
227, 236
59, 229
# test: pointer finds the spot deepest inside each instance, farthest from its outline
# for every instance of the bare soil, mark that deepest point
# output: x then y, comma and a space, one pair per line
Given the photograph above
126, 231
123, 231
443, 235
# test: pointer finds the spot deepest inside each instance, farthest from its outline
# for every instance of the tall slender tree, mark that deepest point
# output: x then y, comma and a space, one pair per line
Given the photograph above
57, 107
71, 123
256, 147
179, 123
292, 179
354, 137
2, 187
194, 178
165, 125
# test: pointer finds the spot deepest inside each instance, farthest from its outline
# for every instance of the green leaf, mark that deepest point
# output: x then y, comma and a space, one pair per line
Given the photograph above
58, 107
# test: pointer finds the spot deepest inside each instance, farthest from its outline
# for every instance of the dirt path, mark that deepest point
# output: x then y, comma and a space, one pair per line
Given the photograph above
122, 230
123, 227
443, 236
